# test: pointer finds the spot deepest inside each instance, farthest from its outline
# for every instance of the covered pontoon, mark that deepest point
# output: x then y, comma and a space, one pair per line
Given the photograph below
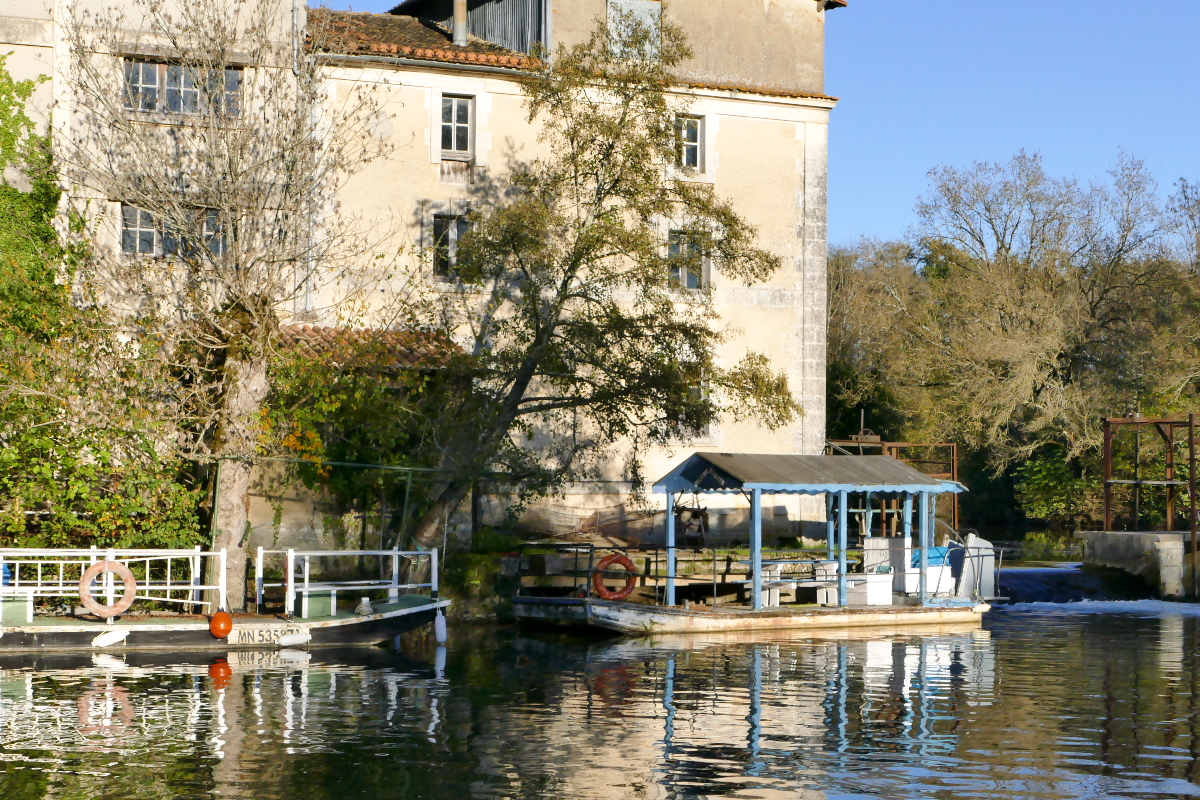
835, 476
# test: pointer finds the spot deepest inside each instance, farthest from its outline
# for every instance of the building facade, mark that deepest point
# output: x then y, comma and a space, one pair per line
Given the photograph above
756, 129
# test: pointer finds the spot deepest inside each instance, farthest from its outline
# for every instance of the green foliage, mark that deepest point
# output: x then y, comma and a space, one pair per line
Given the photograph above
1056, 489
79, 456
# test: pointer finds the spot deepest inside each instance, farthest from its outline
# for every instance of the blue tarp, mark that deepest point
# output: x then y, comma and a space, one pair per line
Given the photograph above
938, 557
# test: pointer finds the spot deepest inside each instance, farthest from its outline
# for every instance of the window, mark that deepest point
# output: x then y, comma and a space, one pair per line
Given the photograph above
139, 234
447, 230
142, 234
688, 129
457, 141
686, 260
177, 89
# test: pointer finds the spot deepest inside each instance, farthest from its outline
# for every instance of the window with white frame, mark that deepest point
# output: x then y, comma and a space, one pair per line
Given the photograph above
139, 232
458, 136
686, 260
177, 89
689, 132
447, 230
142, 234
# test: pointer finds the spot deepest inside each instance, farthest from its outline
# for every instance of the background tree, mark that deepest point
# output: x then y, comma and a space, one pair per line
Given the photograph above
1024, 309
583, 333
227, 154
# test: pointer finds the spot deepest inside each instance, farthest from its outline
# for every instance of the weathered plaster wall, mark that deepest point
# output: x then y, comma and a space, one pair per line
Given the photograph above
776, 45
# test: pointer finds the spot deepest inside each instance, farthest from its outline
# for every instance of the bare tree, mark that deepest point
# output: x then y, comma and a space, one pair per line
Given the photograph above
225, 147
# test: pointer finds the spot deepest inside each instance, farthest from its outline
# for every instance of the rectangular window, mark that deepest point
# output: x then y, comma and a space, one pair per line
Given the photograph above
686, 260
447, 230
457, 113
690, 144
177, 89
139, 234
212, 232
141, 85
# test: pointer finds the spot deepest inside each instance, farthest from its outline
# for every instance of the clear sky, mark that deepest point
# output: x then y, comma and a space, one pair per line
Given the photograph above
956, 81
929, 82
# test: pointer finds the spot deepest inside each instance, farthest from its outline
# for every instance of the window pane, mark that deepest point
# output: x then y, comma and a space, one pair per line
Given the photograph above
128, 241
448, 137
447, 109
461, 142
146, 241
441, 245
463, 116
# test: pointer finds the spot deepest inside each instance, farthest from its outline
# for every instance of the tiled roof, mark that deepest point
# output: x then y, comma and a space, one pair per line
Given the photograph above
377, 349
355, 33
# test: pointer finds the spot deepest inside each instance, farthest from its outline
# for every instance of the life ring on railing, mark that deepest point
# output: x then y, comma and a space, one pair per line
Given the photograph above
95, 571
630, 580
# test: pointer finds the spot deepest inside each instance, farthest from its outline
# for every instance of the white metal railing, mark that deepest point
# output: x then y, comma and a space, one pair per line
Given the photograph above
294, 585
165, 576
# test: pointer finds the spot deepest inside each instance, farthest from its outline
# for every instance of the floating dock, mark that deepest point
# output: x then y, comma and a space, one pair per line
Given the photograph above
636, 618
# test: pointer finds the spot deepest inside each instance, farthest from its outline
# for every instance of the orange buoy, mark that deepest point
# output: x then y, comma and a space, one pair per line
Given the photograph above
630, 579
220, 625
221, 674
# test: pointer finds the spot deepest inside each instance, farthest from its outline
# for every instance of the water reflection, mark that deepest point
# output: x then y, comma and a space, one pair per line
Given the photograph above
1039, 704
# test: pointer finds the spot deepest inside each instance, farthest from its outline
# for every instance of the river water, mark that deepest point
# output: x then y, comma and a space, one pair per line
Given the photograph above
1081, 700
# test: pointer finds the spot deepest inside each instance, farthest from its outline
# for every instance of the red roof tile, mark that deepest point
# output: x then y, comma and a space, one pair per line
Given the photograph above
354, 33
377, 349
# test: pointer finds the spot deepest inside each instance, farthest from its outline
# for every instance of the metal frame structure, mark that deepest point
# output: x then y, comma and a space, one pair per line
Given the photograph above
292, 586
716, 473
869, 441
1166, 428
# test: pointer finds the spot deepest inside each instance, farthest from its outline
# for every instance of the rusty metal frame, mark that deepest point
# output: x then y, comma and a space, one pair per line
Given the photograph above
1165, 427
865, 440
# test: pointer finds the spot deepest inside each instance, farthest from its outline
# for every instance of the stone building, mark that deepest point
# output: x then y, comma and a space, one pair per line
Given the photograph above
756, 130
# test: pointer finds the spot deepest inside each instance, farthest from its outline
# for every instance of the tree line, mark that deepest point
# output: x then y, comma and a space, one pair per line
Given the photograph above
1020, 310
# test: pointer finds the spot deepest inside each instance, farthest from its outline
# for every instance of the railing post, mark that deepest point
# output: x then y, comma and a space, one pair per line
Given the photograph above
433, 573
669, 597
222, 577
197, 578
258, 580
924, 526
110, 591
394, 592
289, 598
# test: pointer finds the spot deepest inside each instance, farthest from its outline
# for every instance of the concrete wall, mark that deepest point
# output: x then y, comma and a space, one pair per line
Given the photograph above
1163, 559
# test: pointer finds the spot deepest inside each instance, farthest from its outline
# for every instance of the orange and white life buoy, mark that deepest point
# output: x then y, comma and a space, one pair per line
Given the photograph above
630, 579
95, 571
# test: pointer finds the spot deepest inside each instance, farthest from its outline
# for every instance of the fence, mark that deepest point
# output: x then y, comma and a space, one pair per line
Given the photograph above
164, 576
305, 585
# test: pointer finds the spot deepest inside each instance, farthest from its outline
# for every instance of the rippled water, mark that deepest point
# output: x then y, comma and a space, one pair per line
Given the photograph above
1045, 701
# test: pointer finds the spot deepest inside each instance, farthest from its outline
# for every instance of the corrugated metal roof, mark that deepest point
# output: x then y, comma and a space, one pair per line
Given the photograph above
732, 472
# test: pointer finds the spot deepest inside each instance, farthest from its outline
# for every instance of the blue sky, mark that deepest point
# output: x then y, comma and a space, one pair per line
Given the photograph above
955, 81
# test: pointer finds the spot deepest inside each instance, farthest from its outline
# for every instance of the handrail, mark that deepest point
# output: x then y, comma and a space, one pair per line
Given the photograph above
292, 586
24, 571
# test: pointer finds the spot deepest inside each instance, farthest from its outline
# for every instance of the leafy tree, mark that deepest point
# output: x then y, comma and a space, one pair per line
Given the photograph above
580, 339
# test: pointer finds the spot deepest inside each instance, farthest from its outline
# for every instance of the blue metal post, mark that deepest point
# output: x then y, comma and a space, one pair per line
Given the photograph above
908, 518
924, 536
756, 545
670, 549
868, 514
843, 585
831, 524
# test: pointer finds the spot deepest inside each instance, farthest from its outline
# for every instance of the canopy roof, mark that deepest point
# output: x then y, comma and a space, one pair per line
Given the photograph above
725, 473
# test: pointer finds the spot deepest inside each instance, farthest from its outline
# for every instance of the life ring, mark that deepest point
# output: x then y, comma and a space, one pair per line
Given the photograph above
100, 701
95, 571
630, 580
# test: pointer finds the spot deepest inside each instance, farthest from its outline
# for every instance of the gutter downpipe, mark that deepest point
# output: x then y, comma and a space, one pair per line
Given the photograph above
460, 23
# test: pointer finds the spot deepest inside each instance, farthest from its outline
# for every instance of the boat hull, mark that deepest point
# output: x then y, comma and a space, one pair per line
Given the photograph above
263, 633
633, 618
